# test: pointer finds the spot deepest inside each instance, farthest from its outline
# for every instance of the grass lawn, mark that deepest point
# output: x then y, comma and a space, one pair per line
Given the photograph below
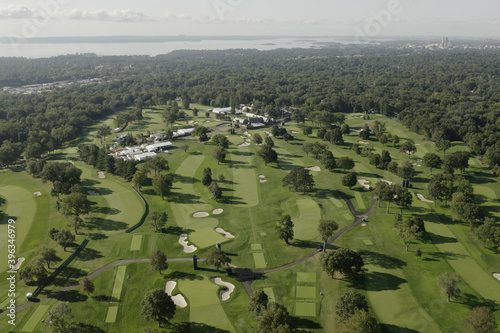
119, 278
305, 292
244, 177
111, 315
306, 224
136, 243
35, 318
306, 277
305, 309
259, 260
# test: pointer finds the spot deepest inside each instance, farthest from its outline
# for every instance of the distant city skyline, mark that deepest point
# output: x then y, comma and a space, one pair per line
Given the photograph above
363, 18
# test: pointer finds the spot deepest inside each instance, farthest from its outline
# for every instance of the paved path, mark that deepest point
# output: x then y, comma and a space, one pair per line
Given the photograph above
245, 276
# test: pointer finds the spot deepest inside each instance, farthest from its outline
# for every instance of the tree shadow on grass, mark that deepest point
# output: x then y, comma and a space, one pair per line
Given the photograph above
97, 236
69, 276
187, 327
472, 301
436, 256
88, 254
89, 182
69, 296
381, 260
389, 328
106, 224
106, 210
184, 198
232, 200
105, 298
85, 328
377, 281
304, 323
439, 239
182, 276
4, 218
176, 230
184, 179
306, 244
102, 190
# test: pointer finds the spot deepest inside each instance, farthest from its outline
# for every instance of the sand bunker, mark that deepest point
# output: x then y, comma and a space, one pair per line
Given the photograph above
263, 180
20, 260
421, 198
363, 143
246, 144
243, 137
364, 183
71, 162
184, 243
262, 176
93, 193
314, 168
201, 214
496, 276
295, 132
363, 225
178, 299
101, 175
225, 233
388, 182
37, 193
217, 211
224, 294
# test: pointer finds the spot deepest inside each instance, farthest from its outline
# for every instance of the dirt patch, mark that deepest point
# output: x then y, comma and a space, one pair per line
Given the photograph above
246, 144
388, 182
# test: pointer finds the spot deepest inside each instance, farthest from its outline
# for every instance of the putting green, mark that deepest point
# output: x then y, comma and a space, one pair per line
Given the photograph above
136, 243
305, 309
244, 178
112, 313
35, 318
269, 292
306, 225
367, 242
305, 292
22, 207
204, 303
359, 200
205, 237
260, 260
119, 278
256, 247
306, 277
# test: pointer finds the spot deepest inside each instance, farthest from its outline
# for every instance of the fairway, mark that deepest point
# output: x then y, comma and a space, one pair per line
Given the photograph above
305, 226
305, 309
269, 292
205, 306
244, 178
348, 216
306, 277
112, 313
119, 278
337, 202
260, 260
287, 160
359, 200
35, 318
21, 206
305, 292
136, 243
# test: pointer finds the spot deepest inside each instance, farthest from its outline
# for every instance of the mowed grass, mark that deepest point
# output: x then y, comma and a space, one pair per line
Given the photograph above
119, 278
259, 260
244, 178
306, 277
204, 305
305, 292
35, 318
306, 224
111, 315
305, 309
136, 243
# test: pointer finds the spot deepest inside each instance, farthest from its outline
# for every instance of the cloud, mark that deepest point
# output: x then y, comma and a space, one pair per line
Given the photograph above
16, 12
126, 15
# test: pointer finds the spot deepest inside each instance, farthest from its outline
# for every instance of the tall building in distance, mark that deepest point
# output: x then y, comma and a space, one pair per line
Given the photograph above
444, 43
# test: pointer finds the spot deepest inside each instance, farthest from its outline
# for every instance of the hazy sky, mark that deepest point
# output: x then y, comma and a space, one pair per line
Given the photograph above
40, 18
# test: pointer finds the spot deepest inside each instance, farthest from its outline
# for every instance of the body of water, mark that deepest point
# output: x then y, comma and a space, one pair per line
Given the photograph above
44, 50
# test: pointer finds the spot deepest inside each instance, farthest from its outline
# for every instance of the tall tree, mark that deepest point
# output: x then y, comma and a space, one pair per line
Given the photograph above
326, 229
140, 179
432, 161
74, 205
207, 177
215, 190
408, 147
47, 254
64, 238
299, 179
268, 154
275, 318
157, 305
345, 163
448, 283
257, 139
350, 302
284, 228
361, 322
102, 131
219, 154
218, 258
403, 198
406, 170
158, 220
411, 229
481, 319
344, 261
34, 271
159, 261
258, 302
443, 145
162, 184
60, 316
349, 180
87, 286
220, 140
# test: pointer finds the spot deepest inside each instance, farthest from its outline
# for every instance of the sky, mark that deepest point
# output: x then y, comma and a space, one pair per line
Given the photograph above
372, 18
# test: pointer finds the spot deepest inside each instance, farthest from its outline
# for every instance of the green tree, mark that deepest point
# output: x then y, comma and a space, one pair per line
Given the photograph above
345, 163
432, 161
465, 209
403, 198
350, 179
268, 154
184, 147
162, 185
215, 190
378, 128
385, 159
74, 205
64, 238
102, 131
60, 316
10, 152
411, 229
140, 179
157, 164
158, 220
345, 129
219, 154
443, 145
361, 322
258, 302
157, 305
406, 170
218, 258
365, 132
268, 141
159, 261
395, 140
299, 179
284, 228
47, 254
275, 318
32, 271
257, 139
392, 167
307, 130
349, 303
448, 284
87, 286
326, 229
342, 260
441, 187
408, 147
220, 140
481, 319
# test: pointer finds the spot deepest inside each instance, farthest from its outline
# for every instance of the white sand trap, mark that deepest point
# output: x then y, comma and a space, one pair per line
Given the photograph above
224, 294
93, 193
225, 233
37, 193
363, 225
421, 198
364, 183
246, 133
71, 162
101, 175
248, 140
184, 243
20, 261
417, 144
178, 299
314, 168
262, 176
295, 132
243, 137
496, 276
201, 214
388, 182
217, 211
246, 144
263, 180
363, 143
